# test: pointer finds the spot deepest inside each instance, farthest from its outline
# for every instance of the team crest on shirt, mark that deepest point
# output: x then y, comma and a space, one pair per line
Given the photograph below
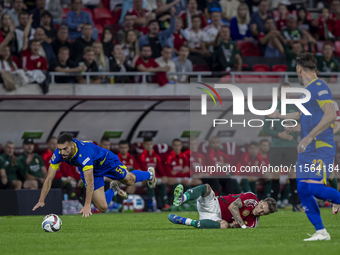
332, 65
181, 161
147, 159
200, 160
245, 223
37, 161
80, 155
155, 159
245, 213
231, 47
53, 157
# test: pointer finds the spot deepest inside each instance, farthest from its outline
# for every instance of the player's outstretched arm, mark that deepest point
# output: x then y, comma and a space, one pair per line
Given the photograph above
234, 209
86, 210
46, 188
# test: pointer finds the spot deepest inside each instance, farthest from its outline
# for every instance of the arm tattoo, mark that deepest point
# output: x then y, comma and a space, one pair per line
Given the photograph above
234, 210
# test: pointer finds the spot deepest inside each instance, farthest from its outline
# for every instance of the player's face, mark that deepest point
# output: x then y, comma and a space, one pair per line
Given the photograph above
66, 150
123, 149
28, 148
9, 149
52, 145
215, 143
299, 74
328, 51
196, 23
261, 209
105, 145
253, 150
264, 147
177, 147
148, 146
193, 145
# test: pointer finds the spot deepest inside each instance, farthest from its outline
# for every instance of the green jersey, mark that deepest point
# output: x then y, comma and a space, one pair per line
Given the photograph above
277, 127
229, 50
327, 66
291, 57
292, 35
12, 172
34, 168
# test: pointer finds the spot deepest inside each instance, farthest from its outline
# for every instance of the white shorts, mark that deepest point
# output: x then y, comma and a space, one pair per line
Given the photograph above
209, 207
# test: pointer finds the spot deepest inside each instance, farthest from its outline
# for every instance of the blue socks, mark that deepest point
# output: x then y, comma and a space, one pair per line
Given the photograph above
109, 195
141, 175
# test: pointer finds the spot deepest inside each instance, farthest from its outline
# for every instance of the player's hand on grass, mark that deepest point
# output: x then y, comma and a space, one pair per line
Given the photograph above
86, 211
304, 143
284, 136
39, 204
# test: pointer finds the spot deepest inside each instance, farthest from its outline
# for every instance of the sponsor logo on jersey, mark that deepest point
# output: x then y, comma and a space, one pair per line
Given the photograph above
53, 157
322, 92
85, 161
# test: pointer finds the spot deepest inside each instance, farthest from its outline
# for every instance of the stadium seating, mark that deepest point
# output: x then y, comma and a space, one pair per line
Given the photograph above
65, 11
248, 79
279, 68
261, 68
248, 49
102, 16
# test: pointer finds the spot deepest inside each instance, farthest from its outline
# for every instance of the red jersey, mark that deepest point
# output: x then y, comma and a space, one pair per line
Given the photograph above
281, 24
215, 158
179, 40
185, 15
137, 14
162, 150
203, 148
176, 164
146, 160
233, 152
151, 63
249, 201
246, 160
196, 159
321, 27
129, 161
265, 159
33, 62
46, 156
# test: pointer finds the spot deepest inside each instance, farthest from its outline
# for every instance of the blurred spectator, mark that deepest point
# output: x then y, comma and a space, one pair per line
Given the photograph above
145, 63
9, 170
230, 9
130, 47
88, 60
77, 19
19, 31
334, 8
107, 41
239, 25
165, 60
213, 29
327, 62
127, 6
30, 5
292, 33
7, 63
264, 146
40, 7
101, 60
50, 31
139, 14
8, 28
63, 64
46, 49
253, 6
54, 7
163, 15
32, 166
210, 7
119, 63
105, 143
183, 64
291, 55
336, 19
18, 6
179, 35
306, 25
258, 18
83, 41
128, 25
325, 26
226, 54
187, 14
270, 41
158, 39
61, 40
281, 23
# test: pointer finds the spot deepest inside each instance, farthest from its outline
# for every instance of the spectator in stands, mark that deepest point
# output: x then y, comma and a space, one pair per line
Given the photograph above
40, 8
119, 63
63, 64
165, 60
88, 60
139, 14
8, 28
258, 18
50, 31
239, 25
226, 54
158, 39
30, 5
162, 13
291, 55
61, 40
306, 25
32, 166
211, 6
212, 30
6, 61
129, 20
9, 170
187, 14
292, 33
46, 49
105, 143
334, 8
77, 19
230, 8
19, 31
54, 7
336, 18
326, 62
183, 64
270, 41
325, 26
115, 4
130, 47
101, 60
148, 158
18, 6
281, 23
83, 41
107, 41
179, 36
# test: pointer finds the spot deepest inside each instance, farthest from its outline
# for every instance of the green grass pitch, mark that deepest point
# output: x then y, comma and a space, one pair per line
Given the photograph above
152, 233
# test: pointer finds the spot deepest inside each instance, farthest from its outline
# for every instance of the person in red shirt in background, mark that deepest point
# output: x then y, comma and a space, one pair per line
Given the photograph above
264, 147
216, 156
66, 176
281, 23
189, 12
139, 14
325, 25
179, 36
148, 158
336, 20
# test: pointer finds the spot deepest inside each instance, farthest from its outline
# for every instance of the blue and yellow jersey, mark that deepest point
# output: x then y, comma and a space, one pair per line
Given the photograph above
87, 156
320, 95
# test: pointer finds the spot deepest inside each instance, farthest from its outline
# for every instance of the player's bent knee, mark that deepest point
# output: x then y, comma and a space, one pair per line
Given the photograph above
102, 208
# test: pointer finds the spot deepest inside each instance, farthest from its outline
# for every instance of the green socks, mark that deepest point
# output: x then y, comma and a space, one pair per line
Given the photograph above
333, 183
205, 224
194, 193
163, 194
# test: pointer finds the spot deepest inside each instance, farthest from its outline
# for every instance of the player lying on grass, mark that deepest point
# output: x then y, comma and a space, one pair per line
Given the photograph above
94, 163
232, 211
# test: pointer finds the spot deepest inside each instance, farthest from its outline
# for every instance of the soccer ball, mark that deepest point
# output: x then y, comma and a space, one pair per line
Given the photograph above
51, 223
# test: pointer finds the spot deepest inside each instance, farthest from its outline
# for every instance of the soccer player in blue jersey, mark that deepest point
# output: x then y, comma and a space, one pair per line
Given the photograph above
94, 163
317, 147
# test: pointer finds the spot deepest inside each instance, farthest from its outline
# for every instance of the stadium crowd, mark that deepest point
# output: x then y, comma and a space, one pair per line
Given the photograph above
160, 36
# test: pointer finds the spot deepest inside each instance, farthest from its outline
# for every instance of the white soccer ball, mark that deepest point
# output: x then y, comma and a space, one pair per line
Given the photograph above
51, 223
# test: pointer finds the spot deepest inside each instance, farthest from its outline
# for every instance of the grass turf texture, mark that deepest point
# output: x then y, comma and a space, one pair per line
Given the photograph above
152, 233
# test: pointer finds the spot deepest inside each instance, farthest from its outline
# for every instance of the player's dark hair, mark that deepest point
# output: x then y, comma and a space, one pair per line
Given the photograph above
272, 205
65, 137
145, 45
195, 17
123, 142
176, 140
34, 41
152, 21
147, 139
50, 138
327, 43
167, 47
307, 61
264, 140
253, 144
105, 139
